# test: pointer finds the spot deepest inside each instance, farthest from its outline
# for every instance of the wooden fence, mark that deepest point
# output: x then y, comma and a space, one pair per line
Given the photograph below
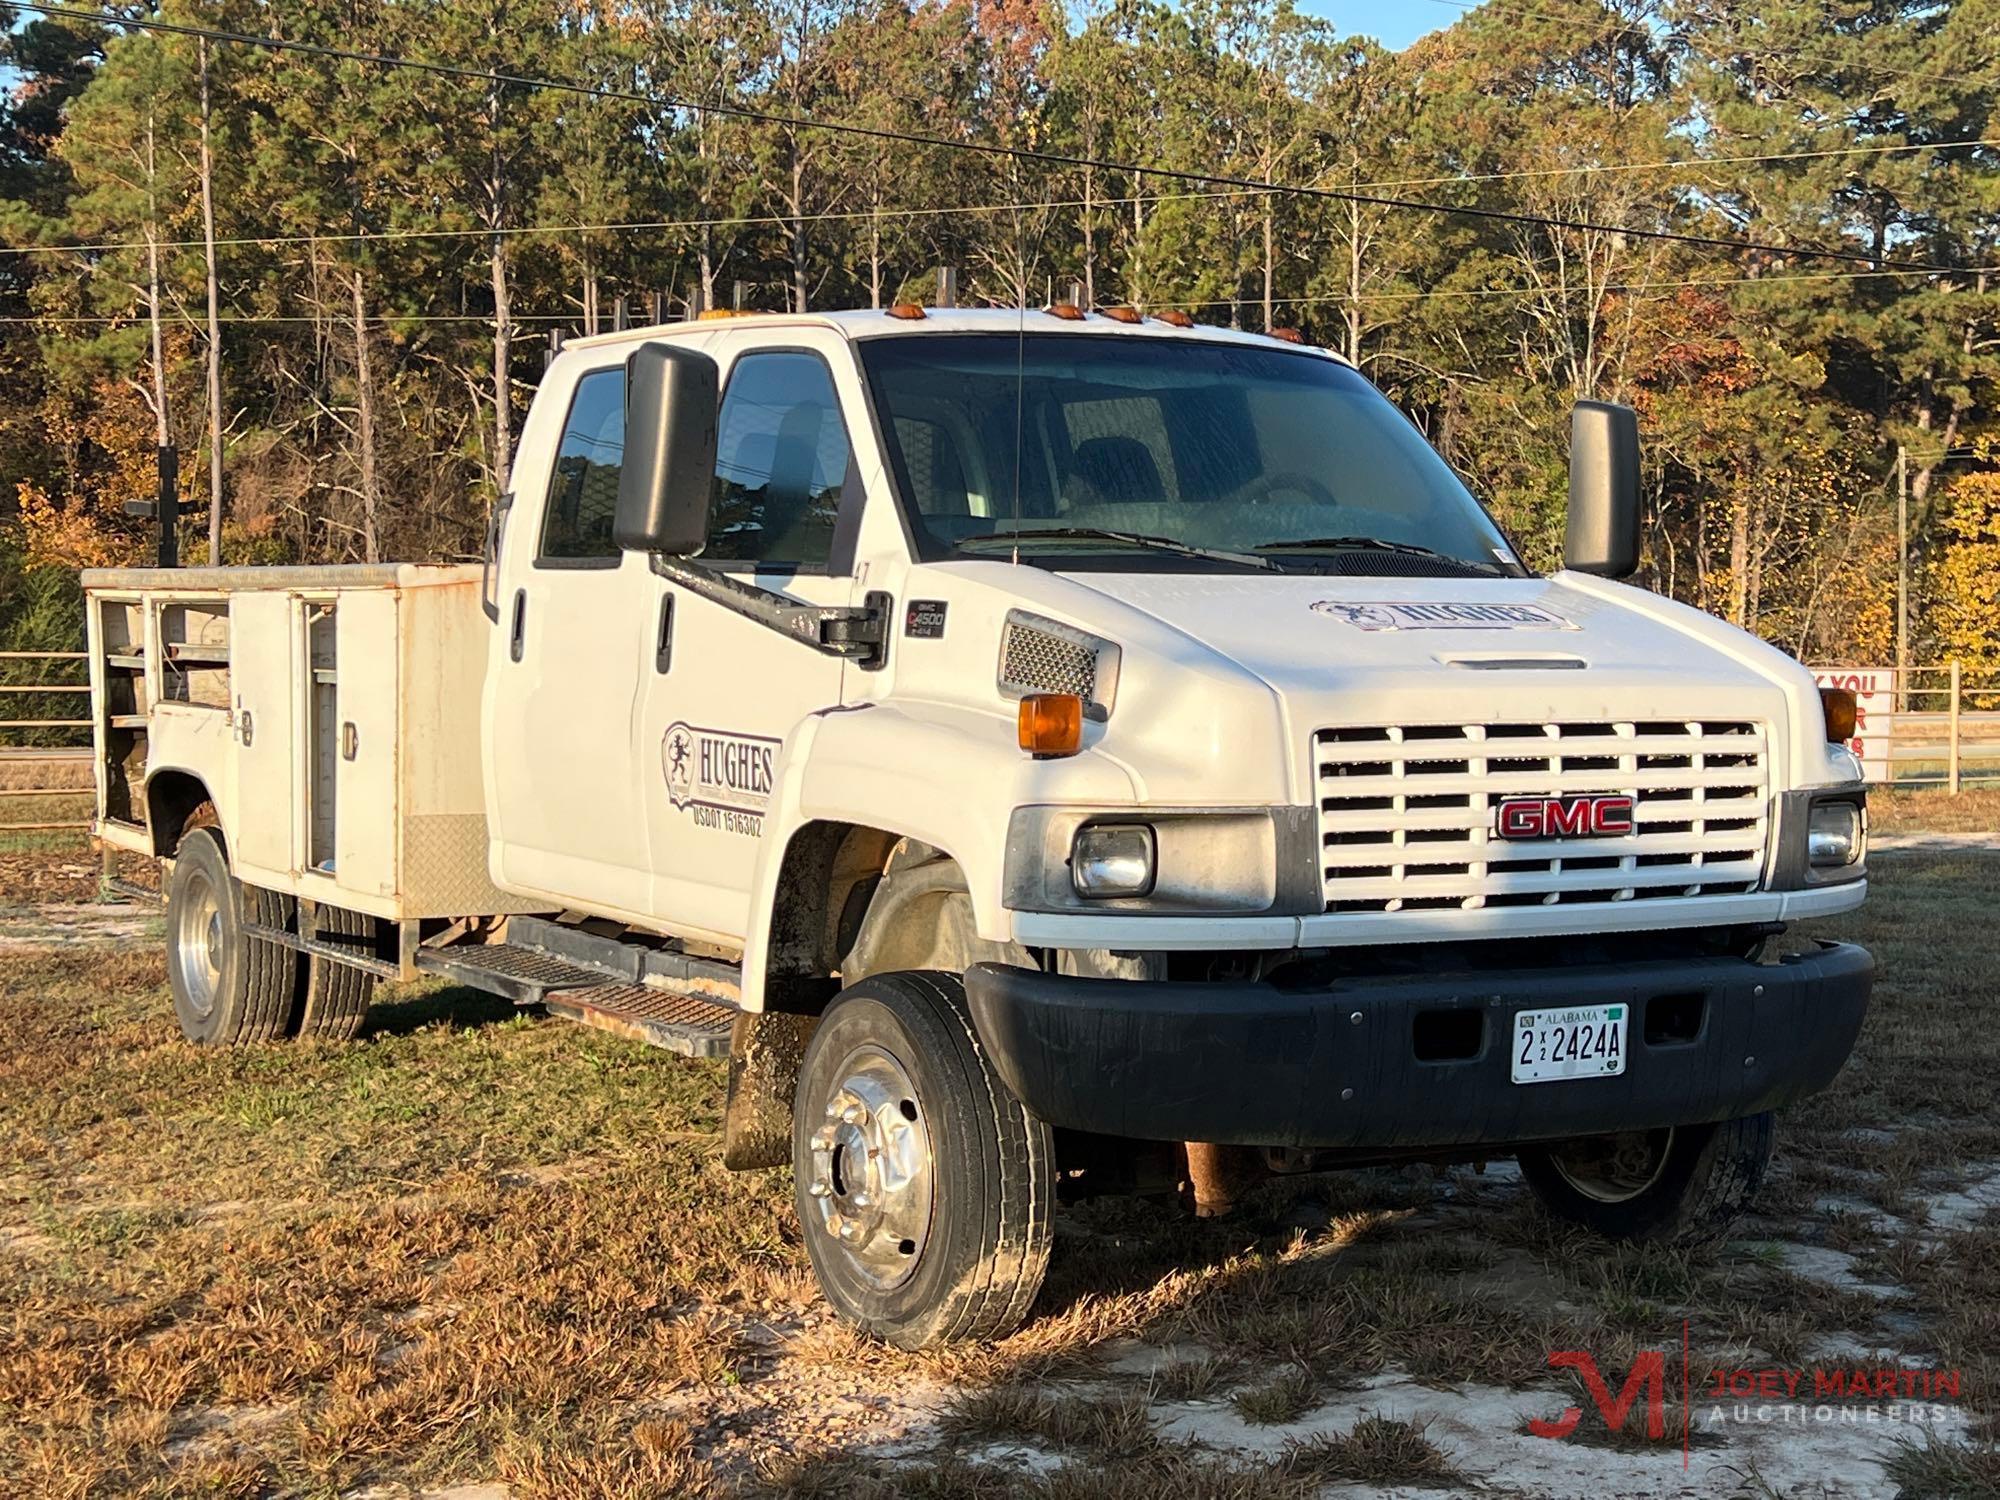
44, 725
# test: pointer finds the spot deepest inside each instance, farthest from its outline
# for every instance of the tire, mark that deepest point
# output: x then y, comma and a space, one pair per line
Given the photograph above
957, 1250
229, 989
336, 996
1691, 1184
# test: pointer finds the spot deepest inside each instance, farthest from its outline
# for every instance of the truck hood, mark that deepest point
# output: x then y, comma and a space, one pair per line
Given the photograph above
1387, 650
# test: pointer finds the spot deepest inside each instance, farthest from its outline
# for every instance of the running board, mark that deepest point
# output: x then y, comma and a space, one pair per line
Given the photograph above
671, 1000
685, 1024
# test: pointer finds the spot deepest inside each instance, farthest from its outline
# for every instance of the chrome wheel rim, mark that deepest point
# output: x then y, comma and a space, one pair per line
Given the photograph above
198, 943
1614, 1168
869, 1176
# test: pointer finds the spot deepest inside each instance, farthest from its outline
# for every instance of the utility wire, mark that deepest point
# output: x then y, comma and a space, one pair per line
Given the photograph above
632, 227
1690, 163
135, 319
272, 241
493, 77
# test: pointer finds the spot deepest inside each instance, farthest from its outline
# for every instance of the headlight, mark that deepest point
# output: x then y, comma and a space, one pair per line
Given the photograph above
1834, 836
1112, 859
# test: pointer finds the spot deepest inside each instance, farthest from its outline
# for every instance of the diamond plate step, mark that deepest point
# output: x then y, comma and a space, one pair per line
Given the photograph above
518, 974
685, 1024
679, 1022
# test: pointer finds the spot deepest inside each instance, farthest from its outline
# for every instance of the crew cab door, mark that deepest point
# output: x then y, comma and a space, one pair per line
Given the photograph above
723, 691
565, 795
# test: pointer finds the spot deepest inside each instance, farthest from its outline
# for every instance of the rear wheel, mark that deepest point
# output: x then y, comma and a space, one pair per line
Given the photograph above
923, 1185
1684, 1182
337, 995
228, 987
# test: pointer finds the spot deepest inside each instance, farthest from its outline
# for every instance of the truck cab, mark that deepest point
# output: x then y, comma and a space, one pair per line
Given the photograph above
1093, 740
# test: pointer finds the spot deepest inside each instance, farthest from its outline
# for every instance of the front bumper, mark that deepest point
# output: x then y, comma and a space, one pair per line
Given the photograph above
1250, 1063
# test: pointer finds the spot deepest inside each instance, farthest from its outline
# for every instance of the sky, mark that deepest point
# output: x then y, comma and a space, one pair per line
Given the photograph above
1394, 23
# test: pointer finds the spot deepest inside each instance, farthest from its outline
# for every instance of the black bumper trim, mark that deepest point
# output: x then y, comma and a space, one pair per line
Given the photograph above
1253, 1064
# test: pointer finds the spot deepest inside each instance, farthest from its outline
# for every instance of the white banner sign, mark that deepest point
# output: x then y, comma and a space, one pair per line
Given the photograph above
1874, 690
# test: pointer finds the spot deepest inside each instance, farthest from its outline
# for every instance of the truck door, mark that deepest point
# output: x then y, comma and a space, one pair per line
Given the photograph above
563, 691
723, 691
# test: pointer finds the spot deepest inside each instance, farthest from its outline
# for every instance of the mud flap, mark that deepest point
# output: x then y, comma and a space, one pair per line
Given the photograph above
765, 1050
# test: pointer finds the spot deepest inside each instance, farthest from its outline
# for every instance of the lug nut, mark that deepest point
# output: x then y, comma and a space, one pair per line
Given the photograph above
819, 1190
854, 1114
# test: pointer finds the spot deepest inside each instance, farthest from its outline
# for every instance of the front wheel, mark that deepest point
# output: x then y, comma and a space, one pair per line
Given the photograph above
923, 1185
1684, 1182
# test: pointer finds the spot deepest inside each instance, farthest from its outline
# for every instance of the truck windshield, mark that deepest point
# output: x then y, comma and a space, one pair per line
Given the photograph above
1186, 452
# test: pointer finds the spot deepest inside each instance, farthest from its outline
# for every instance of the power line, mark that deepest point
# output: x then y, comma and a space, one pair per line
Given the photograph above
631, 227
1310, 300
492, 77
388, 236
1690, 162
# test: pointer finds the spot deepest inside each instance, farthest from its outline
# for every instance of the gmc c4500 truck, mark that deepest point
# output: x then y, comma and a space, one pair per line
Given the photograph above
1048, 753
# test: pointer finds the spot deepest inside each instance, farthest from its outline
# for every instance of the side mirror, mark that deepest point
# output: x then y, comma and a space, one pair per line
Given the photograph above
1603, 490
668, 473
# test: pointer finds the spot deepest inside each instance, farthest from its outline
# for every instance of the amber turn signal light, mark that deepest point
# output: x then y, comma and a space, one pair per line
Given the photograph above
1051, 724
1840, 709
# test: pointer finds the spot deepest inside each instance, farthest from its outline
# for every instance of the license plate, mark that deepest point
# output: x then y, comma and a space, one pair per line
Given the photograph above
1579, 1041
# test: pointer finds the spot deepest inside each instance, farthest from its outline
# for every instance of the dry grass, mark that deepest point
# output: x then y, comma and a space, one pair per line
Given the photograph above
1973, 811
1378, 1450
1285, 1398
476, 1246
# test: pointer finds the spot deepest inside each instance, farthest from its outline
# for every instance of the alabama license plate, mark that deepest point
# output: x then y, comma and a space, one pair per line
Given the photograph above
1579, 1041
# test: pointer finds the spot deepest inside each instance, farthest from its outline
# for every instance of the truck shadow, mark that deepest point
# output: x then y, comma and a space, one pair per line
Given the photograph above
455, 1005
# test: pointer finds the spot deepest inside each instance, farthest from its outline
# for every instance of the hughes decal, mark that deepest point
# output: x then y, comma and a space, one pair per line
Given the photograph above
722, 779
1416, 616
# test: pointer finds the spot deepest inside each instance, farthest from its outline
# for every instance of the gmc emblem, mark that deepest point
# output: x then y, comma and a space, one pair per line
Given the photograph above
1591, 816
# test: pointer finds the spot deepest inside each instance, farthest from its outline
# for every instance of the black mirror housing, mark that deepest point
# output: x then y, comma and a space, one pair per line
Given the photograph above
667, 478
1603, 535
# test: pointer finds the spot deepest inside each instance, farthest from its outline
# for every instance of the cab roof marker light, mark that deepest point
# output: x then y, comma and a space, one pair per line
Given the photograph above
1288, 335
907, 310
1173, 317
1123, 314
1069, 312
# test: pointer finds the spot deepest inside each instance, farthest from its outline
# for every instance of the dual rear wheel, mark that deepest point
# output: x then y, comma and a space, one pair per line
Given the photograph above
232, 988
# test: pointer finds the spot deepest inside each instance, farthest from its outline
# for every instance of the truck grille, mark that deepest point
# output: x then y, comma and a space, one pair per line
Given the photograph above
1406, 813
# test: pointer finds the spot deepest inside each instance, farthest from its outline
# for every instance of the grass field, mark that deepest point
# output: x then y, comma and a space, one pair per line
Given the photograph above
479, 1247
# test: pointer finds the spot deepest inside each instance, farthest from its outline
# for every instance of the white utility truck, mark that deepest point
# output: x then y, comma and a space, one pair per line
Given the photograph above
1049, 753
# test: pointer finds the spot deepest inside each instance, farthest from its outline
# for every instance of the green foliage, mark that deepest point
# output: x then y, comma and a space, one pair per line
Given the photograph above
376, 222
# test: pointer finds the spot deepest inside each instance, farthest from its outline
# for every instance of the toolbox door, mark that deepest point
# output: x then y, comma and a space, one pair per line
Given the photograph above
364, 741
263, 644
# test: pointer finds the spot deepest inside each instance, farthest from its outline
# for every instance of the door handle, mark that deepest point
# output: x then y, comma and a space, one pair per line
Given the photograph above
663, 644
517, 635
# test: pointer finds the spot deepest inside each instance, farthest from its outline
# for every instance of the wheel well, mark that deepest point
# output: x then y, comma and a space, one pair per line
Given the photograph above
170, 797
829, 872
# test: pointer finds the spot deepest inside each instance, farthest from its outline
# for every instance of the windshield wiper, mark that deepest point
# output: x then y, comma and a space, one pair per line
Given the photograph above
1128, 538
1376, 544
